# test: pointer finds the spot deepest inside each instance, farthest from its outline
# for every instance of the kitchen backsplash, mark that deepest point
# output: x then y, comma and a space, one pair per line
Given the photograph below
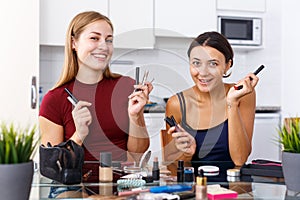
168, 66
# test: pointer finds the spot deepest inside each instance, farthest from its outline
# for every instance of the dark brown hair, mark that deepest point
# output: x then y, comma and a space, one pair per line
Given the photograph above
215, 40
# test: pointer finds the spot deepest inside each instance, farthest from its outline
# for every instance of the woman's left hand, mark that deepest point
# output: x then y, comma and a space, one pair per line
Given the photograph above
247, 85
138, 99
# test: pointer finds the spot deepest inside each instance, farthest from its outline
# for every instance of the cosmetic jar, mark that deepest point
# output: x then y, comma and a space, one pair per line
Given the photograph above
209, 170
233, 175
189, 175
233, 172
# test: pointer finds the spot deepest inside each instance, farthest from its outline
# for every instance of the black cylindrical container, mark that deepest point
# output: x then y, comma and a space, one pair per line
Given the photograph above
180, 171
155, 170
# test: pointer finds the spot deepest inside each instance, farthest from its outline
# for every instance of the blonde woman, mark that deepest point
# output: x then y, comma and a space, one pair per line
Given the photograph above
109, 114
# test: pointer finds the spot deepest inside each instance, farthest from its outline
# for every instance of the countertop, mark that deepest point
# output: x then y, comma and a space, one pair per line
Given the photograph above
160, 108
155, 108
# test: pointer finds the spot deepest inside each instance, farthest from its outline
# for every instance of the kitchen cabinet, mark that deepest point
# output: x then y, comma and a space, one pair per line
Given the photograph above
133, 26
245, 5
177, 18
265, 141
19, 60
154, 123
55, 16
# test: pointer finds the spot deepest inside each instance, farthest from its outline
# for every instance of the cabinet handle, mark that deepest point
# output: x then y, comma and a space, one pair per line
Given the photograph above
33, 99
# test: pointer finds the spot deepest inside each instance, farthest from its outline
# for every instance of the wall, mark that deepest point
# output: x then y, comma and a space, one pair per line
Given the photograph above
290, 53
169, 66
269, 87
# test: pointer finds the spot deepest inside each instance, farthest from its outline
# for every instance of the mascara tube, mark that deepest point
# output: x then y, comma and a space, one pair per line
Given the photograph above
180, 171
155, 170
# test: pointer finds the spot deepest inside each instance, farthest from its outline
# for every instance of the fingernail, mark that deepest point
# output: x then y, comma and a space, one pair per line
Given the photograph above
239, 87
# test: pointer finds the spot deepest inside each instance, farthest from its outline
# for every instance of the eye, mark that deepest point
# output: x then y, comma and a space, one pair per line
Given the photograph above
109, 40
213, 64
196, 63
94, 38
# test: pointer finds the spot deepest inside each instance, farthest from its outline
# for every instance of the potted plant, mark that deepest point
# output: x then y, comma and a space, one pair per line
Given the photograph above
17, 147
289, 137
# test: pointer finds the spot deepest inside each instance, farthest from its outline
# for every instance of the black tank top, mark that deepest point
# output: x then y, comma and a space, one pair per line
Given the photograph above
212, 143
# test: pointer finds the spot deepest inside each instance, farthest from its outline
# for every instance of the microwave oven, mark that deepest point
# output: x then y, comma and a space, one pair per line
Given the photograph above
241, 30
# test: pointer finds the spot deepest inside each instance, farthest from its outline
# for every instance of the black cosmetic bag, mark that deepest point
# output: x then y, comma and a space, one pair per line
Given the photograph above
261, 167
62, 162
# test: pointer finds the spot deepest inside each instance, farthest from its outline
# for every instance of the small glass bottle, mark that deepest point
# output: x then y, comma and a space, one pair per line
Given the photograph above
105, 168
201, 187
180, 171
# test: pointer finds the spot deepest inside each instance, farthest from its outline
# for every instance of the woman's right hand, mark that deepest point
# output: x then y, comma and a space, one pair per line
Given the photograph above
82, 119
184, 142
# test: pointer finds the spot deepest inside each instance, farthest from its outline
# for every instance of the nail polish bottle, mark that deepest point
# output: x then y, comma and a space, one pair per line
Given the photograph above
201, 187
180, 171
105, 168
155, 170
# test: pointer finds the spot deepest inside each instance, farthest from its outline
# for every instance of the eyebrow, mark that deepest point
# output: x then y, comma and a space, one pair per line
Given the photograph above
210, 60
97, 33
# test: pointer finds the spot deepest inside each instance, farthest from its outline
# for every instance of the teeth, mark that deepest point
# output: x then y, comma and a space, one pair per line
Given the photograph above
203, 81
100, 56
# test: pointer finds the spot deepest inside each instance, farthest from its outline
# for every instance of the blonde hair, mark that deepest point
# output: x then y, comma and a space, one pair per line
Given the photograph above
76, 27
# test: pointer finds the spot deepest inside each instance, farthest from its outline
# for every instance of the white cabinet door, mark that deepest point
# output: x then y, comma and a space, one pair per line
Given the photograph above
184, 18
55, 16
265, 139
245, 5
19, 60
133, 23
154, 123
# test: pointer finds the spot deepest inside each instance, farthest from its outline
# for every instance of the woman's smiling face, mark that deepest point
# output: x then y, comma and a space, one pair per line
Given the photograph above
207, 66
94, 47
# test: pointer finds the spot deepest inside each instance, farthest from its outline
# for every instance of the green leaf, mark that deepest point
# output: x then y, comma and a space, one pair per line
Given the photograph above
16, 145
289, 136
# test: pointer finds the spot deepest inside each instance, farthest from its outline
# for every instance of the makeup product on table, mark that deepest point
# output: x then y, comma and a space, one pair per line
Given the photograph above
186, 195
145, 160
219, 192
105, 168
209, 170
170, 188
130, 183
233, 172
158, 189
233, 175
201, 186
239, 87
71, 97
155, 170
180, 171
189, 174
